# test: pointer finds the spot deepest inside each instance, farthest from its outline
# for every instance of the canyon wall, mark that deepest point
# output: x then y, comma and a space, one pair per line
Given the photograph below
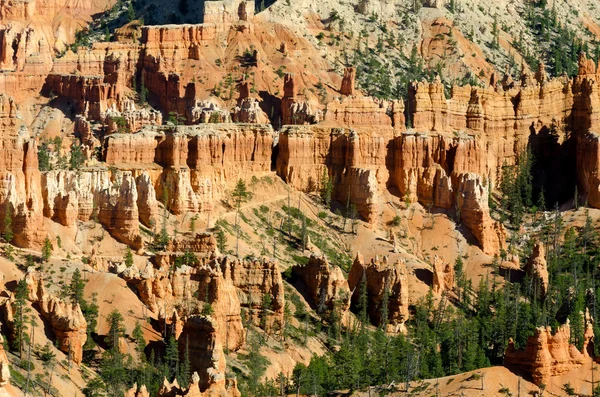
450, 156
547, 355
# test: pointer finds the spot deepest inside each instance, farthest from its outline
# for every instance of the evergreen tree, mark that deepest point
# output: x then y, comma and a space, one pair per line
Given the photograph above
384, 308
185, 373
143, 92
44, 157
221, 239
8, 234
77, 157
240, 195
130, 12
363, 302
113, 366
46, 250
172, 357
326, 188
20, 317
266, 304
128, 257
76, 287
140, 341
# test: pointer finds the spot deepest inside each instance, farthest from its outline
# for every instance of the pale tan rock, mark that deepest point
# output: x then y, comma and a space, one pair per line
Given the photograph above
118, 211
4, 365
66, 319
207, 360
325, 283
382, 278
537, 269
443, 275
189, 290
253, 278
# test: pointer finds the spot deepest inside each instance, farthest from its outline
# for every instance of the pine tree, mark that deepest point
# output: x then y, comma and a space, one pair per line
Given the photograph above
130, 12
221, 239
240, 195
326, 188
112, 367
20, 317
128, 257
185, 373
266, 304
76, 287
44, 157
77, 157
172, 357
143, 92
163, 237
46, 250
496, 39
116, 329
363, 302
384, 308
140, 341
8, 234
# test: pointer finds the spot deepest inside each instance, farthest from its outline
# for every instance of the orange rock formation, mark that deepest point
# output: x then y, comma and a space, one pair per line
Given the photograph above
548, 355
382, 279
443, 275
325, 283
537, 269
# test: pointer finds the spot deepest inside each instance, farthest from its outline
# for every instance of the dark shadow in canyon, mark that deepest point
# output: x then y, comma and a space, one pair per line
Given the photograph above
554, 165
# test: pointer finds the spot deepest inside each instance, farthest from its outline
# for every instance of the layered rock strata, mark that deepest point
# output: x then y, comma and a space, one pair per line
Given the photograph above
547, 355
66, 319
20, 178
190, 290
537, 269
196, 161
383, 281
443, 275
325, 283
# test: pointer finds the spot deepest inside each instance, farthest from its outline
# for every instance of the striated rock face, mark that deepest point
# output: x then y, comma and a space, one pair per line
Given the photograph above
146, 202
135, 119
4, 366
348, 81
201, 338
200, 243
254, 278
382, 280
20, 187
66, 320
547, 355
71, 195
188, 290
197, 160
326, 284
248, 108
208, 111
225, 284
365, 111
443, 275
295, 108
537, 269
439, 170
118, 211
